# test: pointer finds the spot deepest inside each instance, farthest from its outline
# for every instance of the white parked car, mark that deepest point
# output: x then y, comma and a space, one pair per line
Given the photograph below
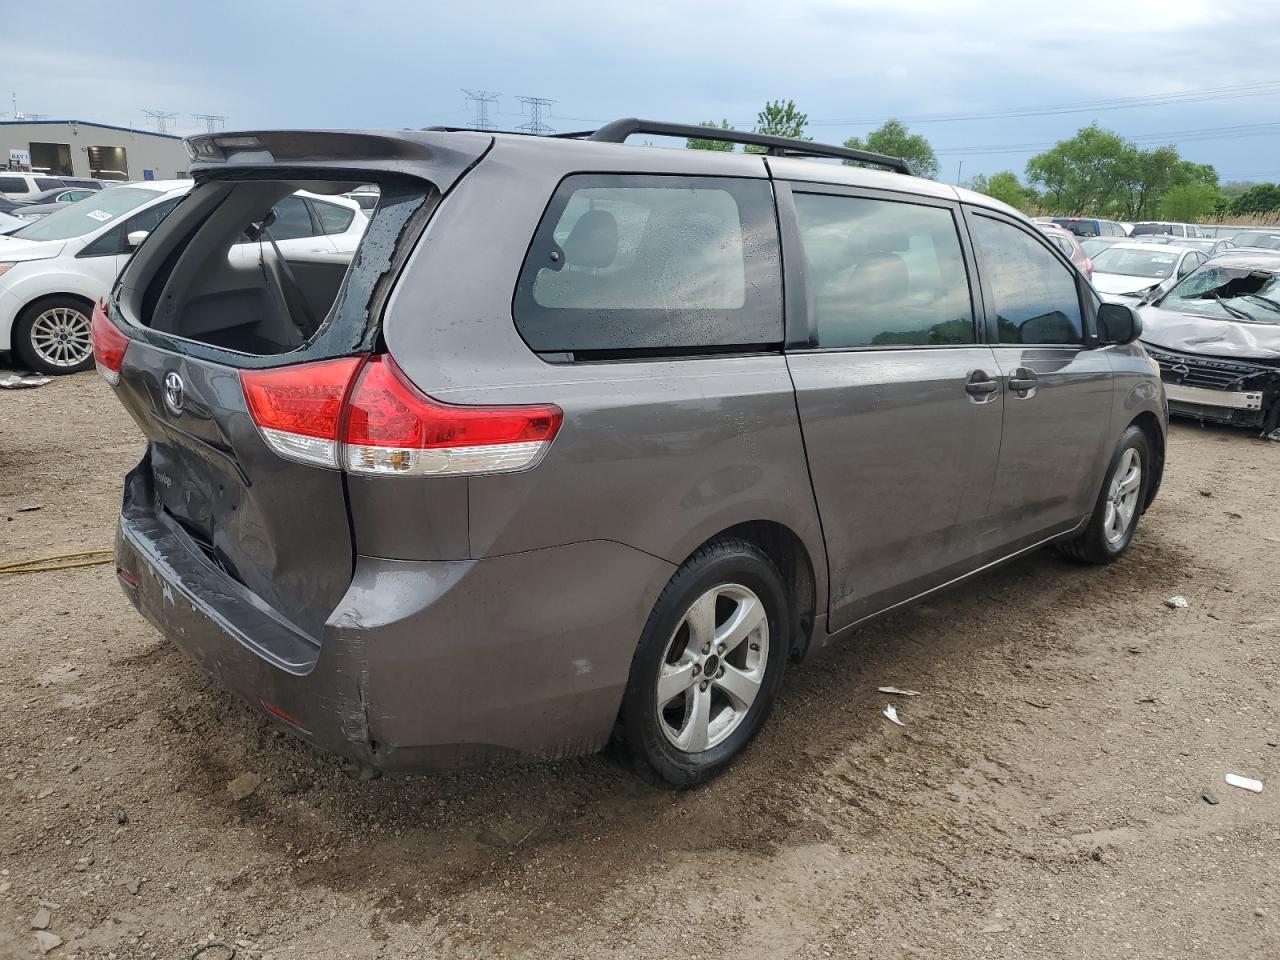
1132, 270
17, 185
53, 270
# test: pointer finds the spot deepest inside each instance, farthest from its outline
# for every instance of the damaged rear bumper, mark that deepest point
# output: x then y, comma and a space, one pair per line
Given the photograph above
423, 665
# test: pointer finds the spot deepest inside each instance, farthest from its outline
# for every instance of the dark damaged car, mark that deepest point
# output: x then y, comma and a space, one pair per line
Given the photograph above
1216, 336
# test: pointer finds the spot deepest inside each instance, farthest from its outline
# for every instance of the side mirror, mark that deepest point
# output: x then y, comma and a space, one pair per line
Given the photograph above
136, 237
1118, 323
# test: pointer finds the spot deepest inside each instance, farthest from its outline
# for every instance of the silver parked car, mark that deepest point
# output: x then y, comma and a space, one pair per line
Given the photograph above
592, 437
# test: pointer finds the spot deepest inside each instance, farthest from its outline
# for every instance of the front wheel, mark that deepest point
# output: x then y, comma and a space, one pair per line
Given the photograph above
54, 336
1119, 504
709, 664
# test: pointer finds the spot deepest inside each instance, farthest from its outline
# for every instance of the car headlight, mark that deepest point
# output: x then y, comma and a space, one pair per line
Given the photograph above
5, 267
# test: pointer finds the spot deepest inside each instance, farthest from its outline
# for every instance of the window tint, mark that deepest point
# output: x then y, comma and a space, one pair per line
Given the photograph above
625, 263
13, 185
333, 218
884, 273
1033, 293
292, 220
48, 183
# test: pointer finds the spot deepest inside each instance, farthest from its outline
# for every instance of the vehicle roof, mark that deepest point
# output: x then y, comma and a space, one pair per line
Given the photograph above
1139, 245
1248, 259
411, 147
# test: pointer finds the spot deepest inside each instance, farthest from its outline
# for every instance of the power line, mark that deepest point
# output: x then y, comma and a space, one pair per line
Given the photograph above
482, 100
1237, 132
535, 106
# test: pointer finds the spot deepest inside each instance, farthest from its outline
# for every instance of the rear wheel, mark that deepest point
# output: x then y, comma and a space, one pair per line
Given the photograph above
1119, 505
709, 664
54, 336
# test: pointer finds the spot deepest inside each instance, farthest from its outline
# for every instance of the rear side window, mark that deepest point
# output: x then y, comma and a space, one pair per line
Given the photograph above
292, 220
333, 218
1033, 293
652, 263
884, 273
48, 183
13, 185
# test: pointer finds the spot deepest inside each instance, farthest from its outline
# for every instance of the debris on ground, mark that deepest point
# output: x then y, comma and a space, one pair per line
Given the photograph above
121, 817
897, 692
892, 714
18, 381
1210, 798
1244, 783
42, 919
1177, 603
243, 785
46, 941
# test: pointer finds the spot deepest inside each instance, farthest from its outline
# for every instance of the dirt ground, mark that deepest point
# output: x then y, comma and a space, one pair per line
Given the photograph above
1057, 790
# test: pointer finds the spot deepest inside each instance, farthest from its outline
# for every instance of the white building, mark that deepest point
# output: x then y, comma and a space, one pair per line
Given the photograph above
80, 148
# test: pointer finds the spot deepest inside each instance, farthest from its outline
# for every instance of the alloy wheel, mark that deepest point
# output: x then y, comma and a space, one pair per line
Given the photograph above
60, 336
713, 668
1122, 497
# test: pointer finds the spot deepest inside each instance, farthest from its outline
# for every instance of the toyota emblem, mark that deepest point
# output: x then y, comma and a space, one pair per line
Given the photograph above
173, 392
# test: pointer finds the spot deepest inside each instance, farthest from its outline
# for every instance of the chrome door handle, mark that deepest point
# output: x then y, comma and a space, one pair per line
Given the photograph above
1023, 381
981, 384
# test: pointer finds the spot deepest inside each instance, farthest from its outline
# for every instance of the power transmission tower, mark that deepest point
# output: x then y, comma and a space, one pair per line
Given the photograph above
211, 121
535, 106
482, 99
161, 118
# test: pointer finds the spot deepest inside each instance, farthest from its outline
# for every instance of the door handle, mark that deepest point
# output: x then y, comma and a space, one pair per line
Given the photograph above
981, 384
1023, 380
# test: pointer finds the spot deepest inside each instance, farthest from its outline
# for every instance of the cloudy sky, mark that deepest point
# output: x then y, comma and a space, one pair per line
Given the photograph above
1203, 75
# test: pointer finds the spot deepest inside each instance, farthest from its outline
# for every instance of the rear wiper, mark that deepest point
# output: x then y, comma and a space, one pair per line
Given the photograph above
1234, 311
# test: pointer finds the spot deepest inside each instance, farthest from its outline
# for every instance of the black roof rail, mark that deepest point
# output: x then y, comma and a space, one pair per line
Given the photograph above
575, 135
618, 130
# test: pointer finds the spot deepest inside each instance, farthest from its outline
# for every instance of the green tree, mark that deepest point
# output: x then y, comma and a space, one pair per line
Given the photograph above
1188, 202
893, 138
1259, 198
699, 143
1089, 173
1100, 173
780, 118
1003, 186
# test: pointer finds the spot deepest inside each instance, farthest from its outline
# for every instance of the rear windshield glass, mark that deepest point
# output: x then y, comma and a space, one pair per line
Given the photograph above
1157, 263
1258, 238
258, 266
87, 215
1081, 228
649, 263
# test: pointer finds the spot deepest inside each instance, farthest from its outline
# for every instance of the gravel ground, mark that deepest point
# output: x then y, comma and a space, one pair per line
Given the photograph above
1057, 790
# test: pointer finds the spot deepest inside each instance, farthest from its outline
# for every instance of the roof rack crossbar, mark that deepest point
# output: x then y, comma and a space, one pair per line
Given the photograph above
618, 130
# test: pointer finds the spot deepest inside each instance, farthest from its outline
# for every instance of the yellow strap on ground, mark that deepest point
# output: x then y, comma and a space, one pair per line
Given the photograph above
61, 561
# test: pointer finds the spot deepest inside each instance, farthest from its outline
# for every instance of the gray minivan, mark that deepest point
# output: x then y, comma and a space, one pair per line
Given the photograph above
588, 440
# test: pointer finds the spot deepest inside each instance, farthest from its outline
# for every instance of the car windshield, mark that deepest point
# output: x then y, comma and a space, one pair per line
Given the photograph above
1257, 238
1094, 245
1238, 293
87, 215
1155, 264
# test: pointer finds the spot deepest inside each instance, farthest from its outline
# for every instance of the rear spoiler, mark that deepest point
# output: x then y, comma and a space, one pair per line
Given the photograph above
439, 157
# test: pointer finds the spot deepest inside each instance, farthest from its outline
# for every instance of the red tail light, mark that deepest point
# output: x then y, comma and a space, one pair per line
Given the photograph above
383, 424
392, 427
109, 345
298, 408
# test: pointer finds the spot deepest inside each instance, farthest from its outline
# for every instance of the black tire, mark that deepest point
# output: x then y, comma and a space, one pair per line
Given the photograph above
1094, 544
25, 347
724, 564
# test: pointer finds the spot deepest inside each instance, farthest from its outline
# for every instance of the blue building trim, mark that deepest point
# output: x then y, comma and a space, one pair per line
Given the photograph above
90, 123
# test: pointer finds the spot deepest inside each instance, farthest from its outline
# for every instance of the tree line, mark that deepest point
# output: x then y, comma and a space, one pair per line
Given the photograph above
1097, 172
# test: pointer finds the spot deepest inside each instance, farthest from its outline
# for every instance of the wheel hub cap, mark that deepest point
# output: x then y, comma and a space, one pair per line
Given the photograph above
713, 668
